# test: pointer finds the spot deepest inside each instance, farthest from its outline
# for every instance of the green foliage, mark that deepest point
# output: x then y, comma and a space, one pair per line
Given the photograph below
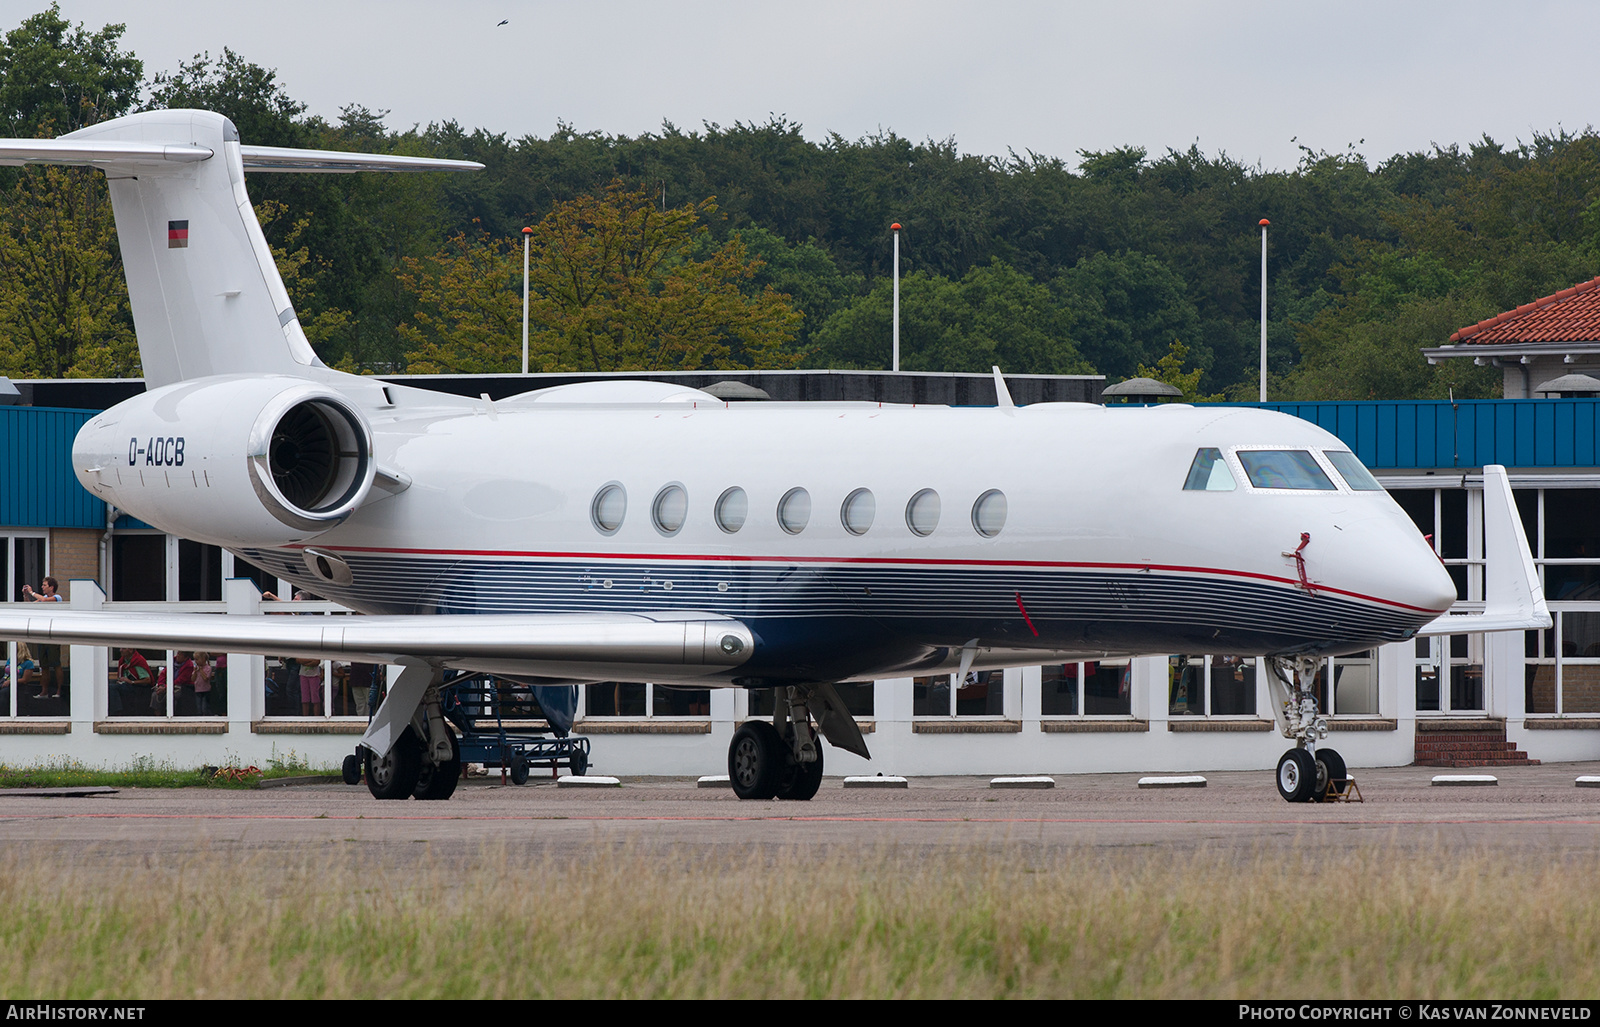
1125, 308
994, 315
56, 77
1137, 248
613, 285
1169, 369
63, 299
247, 94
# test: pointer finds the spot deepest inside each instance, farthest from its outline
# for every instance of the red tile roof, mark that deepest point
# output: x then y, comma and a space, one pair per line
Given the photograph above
1571, 315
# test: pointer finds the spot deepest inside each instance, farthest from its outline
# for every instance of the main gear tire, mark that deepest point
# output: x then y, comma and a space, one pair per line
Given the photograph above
394, 776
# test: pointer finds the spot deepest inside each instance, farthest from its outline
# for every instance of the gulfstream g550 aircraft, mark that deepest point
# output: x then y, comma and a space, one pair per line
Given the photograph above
644, 532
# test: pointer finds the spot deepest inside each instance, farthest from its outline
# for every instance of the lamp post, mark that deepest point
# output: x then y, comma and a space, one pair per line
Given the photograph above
895, 228
527, 233
1264, 224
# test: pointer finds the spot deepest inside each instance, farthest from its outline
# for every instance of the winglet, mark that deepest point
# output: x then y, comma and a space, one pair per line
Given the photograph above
1513, 597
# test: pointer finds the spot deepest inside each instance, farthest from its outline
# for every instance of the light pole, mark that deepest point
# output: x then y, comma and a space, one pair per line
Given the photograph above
1264, 224
895, 228
527, 233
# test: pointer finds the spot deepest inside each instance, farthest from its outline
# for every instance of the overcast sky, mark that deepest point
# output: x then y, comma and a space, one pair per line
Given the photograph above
1055, 78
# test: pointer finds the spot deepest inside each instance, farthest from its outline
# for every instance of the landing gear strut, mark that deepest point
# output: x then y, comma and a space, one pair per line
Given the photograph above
425, 759
1306, 773
782, 759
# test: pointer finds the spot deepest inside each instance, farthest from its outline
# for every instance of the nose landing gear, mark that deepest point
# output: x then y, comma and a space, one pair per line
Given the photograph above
1306, 773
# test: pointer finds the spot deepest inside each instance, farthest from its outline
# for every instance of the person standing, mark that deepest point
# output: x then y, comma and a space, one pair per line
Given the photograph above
49, 655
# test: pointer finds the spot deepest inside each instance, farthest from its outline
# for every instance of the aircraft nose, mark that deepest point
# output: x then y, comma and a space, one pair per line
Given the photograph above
1417, 578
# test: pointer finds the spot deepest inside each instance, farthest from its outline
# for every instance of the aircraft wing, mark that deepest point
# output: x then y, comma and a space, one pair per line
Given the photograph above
667, 647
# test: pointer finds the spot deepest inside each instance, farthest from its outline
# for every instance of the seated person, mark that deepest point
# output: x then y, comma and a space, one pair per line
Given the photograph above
133, 682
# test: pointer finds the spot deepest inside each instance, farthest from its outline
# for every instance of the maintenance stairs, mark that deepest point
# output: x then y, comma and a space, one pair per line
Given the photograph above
1466, 743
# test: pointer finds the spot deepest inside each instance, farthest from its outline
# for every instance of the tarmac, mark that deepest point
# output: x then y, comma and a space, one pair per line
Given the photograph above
1530, 808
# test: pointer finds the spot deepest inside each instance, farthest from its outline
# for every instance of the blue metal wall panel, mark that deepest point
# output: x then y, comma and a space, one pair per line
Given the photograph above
37, 486
1470, 433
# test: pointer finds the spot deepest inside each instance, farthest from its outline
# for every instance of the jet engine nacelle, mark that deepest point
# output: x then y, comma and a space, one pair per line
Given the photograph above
233, 461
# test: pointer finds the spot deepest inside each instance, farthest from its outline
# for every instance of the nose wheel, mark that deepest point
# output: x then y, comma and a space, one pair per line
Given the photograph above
1297, 776
1304, 776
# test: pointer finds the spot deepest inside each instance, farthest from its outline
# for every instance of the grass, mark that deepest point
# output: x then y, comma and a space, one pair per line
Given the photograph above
149, 772
839, 923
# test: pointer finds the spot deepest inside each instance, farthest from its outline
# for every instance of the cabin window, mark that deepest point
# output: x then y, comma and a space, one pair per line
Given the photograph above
670, 509
608, 508
794, 511
922, 513
733, 506
1284, 469
1209, 473
857, 511
989, 513
1352, 470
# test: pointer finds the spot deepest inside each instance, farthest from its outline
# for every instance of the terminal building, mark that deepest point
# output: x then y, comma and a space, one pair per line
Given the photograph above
1459, 700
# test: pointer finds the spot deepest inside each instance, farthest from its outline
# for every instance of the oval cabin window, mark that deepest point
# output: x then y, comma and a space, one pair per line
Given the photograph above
858, 510
670, 509
794, 511
989, 513
733, 506
922, 513
609, 506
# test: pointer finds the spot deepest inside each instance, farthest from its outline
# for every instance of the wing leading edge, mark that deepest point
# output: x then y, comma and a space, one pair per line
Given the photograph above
668, 647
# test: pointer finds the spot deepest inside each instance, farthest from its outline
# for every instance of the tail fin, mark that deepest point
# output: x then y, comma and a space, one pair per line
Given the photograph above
206, 296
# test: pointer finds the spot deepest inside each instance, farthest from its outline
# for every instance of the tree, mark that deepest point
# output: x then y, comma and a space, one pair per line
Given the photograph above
613, 286
247, 94
63, 299
1169, 369
56, 78
995, 315
1124, 308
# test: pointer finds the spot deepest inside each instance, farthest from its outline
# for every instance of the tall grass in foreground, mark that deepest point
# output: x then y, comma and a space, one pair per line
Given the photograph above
848, 923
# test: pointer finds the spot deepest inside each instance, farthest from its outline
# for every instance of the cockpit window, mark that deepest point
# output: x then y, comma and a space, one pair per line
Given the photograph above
1353, 471
1209, 473
1284, 469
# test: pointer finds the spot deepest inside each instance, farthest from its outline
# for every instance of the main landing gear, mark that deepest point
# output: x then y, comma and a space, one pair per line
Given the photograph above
1306, 773
783, 759
424, 762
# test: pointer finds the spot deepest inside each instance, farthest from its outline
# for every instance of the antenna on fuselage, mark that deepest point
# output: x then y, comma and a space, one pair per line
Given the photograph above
1002, 395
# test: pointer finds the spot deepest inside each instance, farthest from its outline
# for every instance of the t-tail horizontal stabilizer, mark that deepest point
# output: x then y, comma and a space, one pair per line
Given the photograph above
1513, 597
206, 295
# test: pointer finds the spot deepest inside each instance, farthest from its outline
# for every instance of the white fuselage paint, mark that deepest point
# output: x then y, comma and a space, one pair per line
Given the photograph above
1102, 551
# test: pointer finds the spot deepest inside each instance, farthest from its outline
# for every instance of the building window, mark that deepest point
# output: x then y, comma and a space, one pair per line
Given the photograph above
1445, 516
1096, 688
630, 699
980, 694
1355, 685
1221, 686
857, 699
139, 567
1563, 666
29, 670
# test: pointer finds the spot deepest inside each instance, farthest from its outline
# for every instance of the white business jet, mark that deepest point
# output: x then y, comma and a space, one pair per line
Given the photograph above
638, 531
